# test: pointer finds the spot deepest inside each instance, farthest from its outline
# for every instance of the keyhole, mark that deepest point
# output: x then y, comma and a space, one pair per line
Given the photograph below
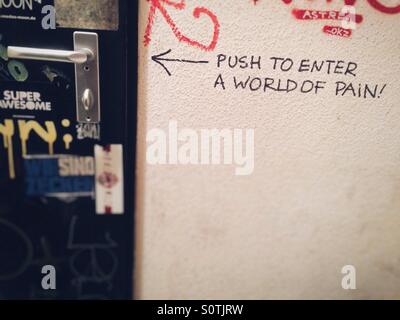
17, 70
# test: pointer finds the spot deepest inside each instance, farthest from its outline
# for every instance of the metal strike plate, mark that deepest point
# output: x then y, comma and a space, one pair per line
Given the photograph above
87, 78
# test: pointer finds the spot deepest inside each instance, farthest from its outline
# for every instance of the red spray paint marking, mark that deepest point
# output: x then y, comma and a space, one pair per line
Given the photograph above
290, 1
159, 5
382, 8
337, 31
376, 4
301, 14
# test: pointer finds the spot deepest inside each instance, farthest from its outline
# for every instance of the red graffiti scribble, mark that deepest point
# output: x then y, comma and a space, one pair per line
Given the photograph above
290, 1
380, 7
309, 14
337, 31
376, 4
346, 15
160, 5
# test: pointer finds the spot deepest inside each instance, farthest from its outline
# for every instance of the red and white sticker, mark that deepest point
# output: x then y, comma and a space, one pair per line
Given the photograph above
109, 179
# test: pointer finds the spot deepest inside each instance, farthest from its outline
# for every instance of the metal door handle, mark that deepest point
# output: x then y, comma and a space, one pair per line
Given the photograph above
85, 56
77, 57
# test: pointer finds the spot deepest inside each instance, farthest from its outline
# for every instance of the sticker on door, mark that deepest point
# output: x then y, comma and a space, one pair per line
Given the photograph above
109, 179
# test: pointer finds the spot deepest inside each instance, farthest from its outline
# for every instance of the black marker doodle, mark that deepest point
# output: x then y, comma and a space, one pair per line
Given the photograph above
92, 263
48, 258
159, 60
12, 239
17, 252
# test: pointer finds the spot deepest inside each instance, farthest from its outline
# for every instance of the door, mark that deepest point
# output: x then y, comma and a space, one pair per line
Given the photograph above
67, 131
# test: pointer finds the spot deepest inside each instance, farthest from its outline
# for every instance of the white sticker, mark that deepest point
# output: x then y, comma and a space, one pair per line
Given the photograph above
109, 179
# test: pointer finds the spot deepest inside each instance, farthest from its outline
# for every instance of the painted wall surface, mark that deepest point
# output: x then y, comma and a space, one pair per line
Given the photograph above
325, 191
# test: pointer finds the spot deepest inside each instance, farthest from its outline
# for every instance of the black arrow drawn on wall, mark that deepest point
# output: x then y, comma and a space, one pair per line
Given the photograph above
160, 59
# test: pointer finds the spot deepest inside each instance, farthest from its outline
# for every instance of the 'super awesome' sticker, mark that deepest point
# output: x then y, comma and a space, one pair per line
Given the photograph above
35, 99
24, 100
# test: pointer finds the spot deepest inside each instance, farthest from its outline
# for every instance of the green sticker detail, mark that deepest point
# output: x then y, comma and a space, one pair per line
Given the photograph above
18, 70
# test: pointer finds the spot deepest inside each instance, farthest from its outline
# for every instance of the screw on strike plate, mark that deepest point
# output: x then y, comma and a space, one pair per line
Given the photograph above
87, 99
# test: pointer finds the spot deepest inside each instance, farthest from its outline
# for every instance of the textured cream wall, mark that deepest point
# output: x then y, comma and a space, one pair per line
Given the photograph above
326, 187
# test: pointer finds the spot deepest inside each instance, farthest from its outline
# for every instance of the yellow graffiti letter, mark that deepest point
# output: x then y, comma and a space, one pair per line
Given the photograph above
25, 128
7, 131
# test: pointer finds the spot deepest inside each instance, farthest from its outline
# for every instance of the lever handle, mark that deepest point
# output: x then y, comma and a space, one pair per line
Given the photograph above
85, 57
76, 57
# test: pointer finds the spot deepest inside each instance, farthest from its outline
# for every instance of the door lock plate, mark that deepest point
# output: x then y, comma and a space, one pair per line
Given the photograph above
87, 82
